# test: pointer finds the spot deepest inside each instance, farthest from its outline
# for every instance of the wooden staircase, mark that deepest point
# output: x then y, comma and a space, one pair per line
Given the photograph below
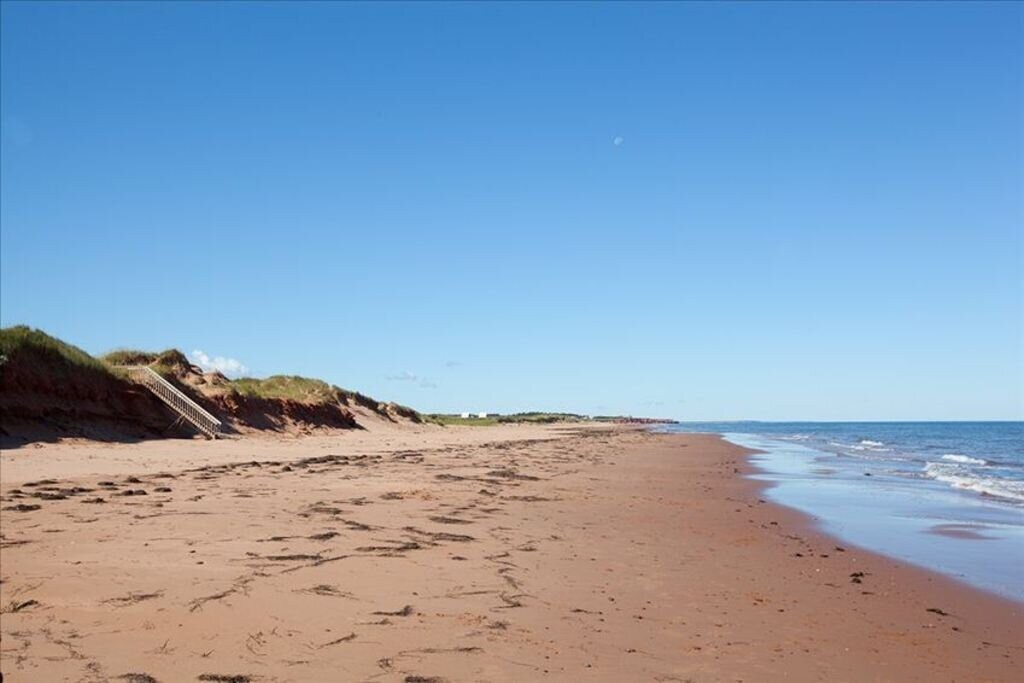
181, 404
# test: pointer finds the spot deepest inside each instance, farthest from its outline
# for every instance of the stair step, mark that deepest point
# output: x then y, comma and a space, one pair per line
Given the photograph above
181, 404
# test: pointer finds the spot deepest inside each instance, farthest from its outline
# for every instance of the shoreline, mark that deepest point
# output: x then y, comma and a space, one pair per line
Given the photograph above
601, 554
813, 526
896, 517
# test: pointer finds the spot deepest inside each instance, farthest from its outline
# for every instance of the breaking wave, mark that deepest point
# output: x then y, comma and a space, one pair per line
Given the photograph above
963, 459
962, 478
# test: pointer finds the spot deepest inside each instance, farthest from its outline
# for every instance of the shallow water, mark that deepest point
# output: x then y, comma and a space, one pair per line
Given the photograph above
946, 496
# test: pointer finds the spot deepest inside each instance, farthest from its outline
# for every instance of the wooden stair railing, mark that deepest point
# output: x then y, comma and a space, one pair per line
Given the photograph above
173, 397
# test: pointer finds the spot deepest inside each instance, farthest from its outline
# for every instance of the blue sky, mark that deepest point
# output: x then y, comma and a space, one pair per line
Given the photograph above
760, 211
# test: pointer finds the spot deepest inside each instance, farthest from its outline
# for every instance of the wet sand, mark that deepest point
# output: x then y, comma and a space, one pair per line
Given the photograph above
506, 553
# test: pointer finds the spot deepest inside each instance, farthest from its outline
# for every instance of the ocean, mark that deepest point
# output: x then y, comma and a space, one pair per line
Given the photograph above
948, 496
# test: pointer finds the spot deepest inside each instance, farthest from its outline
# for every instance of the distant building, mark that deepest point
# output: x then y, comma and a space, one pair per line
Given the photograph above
464, 416
481, 415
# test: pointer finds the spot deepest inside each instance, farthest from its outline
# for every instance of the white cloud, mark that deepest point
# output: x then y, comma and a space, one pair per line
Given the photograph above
618, 140
227, 366
404, 376
427, 384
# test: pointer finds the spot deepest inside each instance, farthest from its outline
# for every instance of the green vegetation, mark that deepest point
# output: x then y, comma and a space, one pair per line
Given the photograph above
23, 343
19, 341
32, 359
289, 387
129, 357
307, 390
364, 400
172, 363
29, 346
443, 420
542, 418
533, 417
168, 362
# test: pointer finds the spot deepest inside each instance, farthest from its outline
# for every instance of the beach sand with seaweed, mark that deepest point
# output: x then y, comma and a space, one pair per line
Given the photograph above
428, 554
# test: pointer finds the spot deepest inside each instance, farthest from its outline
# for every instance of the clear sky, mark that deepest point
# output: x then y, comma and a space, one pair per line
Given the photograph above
763, 211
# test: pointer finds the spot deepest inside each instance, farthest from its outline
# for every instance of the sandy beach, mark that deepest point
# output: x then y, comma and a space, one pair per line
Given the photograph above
432, 342
429, 554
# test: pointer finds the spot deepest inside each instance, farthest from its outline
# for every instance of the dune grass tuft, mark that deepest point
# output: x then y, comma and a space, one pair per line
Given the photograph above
22, 343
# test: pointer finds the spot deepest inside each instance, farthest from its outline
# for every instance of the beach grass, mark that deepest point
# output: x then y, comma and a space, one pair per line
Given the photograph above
129, 357
290, 387
21, 341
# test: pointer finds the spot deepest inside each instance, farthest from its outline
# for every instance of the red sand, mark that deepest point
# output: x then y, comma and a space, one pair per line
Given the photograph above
480, 554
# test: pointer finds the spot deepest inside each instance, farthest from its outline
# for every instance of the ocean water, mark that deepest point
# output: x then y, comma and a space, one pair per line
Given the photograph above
948, 496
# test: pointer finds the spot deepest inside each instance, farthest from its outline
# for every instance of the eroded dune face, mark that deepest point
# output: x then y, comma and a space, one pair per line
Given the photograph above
52, 390
280, 403
43, 398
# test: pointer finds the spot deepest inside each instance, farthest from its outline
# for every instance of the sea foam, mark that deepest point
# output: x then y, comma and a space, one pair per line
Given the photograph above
959, 477
963, 459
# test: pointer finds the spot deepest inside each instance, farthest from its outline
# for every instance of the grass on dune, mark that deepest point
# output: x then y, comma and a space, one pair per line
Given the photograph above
289, 387
167, 363
129, 357
34, 348
22, 341
308, 390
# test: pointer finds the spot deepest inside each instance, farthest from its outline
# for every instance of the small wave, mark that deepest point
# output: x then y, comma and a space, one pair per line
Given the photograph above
869, 446
960, 478
847, 446
795, 437
869, 442
963, 459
